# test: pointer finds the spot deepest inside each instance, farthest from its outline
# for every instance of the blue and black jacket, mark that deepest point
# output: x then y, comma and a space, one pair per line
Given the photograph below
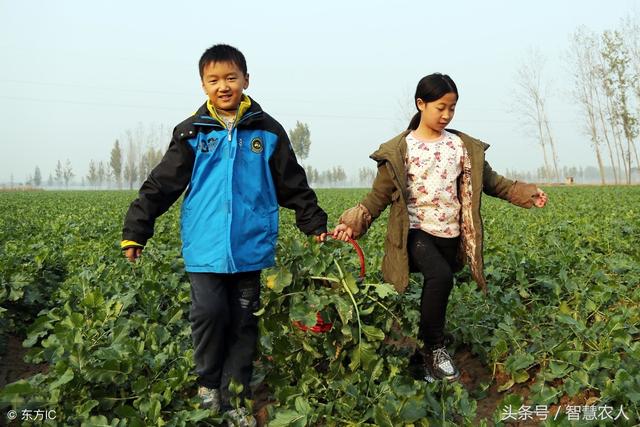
235, 180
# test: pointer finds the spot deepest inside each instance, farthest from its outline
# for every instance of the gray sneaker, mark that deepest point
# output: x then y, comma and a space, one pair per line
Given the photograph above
240, 418
210, 398
439, 365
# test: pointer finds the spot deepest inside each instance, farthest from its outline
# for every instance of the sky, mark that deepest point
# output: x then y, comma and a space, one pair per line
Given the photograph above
76, 75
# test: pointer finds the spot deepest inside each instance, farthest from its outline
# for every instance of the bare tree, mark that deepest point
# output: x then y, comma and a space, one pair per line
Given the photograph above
617, 80
102, 175
406, 109
327, 176
338, 174
366, 176
603, 107
155, 140
143, 152
532, 108
92, 175
130, 168
312, 173
609, 116
149, 158
581, 56
59, 173
630, 29
67, 173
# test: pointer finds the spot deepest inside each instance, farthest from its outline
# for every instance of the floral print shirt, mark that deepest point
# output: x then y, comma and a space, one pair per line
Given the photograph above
433, 168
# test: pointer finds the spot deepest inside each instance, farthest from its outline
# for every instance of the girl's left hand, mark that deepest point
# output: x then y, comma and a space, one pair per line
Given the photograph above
342, 232
540, 198
321, 237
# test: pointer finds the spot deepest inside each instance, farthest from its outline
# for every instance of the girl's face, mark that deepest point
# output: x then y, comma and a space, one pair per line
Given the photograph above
436, 115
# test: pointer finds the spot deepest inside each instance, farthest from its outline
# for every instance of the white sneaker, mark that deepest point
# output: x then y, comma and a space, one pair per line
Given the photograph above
210, 398
241, 418
439, 365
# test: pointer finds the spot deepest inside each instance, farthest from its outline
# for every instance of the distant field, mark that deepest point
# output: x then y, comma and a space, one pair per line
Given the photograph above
109, 343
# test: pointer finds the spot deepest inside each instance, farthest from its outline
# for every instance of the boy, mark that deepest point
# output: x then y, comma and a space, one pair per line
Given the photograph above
237, 165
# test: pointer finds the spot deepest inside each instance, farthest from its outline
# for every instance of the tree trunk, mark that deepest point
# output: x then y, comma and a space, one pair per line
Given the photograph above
635, 153
547, 169
619, 148
617, 139
606, 137
600, 165
554, 154
593, 128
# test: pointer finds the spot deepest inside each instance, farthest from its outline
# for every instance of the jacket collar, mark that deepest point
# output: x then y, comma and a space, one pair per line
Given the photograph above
469, 139
248, 109
245, 104
397, 146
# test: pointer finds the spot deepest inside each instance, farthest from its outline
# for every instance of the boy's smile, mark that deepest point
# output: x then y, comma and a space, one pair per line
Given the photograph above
224, 82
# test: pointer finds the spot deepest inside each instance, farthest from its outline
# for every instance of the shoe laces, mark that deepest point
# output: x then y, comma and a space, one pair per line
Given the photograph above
440, 354
209, 394
441, 357
241, 417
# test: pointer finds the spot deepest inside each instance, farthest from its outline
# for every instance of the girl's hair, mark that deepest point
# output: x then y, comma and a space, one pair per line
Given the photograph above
431, 88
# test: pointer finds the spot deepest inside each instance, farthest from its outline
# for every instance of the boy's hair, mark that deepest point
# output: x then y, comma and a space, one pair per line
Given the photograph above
222, 53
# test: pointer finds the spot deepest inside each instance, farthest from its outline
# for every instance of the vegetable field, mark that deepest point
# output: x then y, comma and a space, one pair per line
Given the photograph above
556, 341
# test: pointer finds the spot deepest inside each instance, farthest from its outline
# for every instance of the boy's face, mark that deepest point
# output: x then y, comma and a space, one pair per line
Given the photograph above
223, 82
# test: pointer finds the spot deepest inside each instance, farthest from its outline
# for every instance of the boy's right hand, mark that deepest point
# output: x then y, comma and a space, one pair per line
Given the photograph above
133, 253
342, 232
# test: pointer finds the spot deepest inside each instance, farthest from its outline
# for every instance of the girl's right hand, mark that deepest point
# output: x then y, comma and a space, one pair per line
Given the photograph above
540, 198
342, 232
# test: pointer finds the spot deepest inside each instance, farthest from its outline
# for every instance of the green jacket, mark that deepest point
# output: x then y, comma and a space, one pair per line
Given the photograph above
390, 187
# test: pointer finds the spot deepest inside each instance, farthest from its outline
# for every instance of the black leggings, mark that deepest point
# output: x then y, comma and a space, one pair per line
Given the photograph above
435, 258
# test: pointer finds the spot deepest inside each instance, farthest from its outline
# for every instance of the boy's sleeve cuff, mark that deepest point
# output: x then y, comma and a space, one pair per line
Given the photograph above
126, 244
318, 231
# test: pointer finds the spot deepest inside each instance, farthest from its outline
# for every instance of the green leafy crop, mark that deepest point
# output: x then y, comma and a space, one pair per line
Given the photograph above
559, 327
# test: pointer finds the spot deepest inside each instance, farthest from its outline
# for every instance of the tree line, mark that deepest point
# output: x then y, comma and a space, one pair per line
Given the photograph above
130, 163
300, 137
605, 85
127, 167
606, 73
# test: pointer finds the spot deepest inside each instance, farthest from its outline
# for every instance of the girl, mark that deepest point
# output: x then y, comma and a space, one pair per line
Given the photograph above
433, 178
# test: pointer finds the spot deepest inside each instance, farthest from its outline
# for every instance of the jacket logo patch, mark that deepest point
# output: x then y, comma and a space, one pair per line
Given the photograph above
256, 145
208, 145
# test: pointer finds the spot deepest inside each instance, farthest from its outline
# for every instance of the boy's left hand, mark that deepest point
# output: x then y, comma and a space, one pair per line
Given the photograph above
321, 237
540, 199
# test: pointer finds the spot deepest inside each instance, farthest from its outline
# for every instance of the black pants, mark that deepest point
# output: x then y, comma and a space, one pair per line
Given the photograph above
224, 329
435, 258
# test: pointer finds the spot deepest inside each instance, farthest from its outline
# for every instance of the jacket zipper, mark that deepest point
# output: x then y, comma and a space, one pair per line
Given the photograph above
231, 264
229, 182
229, 174
242, 119
232, 125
